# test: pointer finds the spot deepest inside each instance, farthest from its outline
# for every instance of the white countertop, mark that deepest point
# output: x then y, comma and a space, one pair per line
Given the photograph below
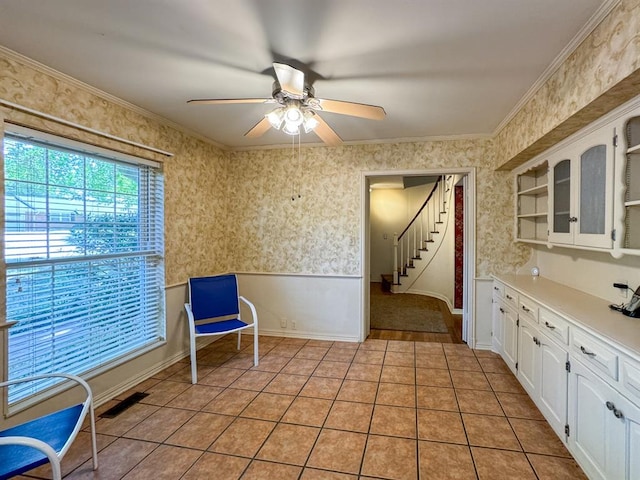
581, 308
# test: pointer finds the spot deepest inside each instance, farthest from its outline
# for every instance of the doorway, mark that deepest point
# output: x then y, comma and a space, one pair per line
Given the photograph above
466, 193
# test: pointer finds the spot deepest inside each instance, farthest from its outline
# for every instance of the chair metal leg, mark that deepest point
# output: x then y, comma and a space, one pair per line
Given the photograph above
194, 364
255, 344
239, 333
94, 447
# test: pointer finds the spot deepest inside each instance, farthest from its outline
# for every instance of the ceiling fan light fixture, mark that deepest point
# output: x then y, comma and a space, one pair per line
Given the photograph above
293, 115
276, 117
291, 129
310, 121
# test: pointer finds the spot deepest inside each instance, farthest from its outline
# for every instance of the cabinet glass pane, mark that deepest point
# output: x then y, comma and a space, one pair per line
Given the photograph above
561, 196
593, 185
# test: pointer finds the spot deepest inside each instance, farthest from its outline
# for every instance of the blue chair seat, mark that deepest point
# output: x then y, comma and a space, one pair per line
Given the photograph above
223, 326
53, 429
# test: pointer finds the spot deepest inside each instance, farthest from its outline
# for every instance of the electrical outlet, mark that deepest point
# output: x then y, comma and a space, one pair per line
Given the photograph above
283, 322
293, 324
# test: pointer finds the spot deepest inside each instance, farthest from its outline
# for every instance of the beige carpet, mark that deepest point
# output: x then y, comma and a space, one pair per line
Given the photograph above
405, 311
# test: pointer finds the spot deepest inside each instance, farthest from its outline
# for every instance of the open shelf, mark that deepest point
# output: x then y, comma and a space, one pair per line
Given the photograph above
534, 190
532, 215
632, 185
532, 204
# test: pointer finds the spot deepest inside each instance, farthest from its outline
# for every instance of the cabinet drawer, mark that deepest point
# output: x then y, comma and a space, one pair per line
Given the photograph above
595, 353
528, 308
630, 377
498, 290
554, 326
511, 297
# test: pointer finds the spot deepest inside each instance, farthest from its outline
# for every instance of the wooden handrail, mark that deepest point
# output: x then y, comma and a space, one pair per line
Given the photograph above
435, 186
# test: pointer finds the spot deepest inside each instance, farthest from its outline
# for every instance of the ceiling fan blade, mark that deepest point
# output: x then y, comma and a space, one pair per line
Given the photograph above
259, 129
291, 80
372, 112
229, 101
326, 133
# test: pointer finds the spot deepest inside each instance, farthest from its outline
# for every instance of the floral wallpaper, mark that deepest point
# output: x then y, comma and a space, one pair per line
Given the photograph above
601, 74
319, 233
195, 177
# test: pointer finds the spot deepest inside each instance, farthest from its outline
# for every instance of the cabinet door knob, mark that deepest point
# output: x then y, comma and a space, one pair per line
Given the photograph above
617, 413
573, 219
610, 406
501, 310
548, 325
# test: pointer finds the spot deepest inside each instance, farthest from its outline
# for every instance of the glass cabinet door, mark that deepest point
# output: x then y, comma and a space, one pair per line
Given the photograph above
593, 189
562, 197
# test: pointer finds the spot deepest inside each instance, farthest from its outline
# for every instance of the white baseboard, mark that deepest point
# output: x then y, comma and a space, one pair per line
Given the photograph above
307, 335
483, 346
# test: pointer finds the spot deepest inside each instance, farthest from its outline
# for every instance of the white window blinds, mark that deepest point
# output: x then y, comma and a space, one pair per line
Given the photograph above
84, 256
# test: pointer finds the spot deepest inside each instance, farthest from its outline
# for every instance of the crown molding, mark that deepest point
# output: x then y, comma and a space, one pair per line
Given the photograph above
40, 67
595, 20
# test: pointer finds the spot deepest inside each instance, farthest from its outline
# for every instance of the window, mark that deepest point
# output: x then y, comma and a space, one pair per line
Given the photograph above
84, 257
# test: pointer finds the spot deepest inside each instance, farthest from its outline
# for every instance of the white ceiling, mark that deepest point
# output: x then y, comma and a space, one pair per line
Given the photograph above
438, 67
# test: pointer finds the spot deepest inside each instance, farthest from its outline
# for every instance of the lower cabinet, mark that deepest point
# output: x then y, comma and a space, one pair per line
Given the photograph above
528, 358
542, 371
510, 338
604, 427
497, 327
552, 388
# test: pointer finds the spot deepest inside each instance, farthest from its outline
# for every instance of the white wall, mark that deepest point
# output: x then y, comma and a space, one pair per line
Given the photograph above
591, 272
390, 212
437, 280
322, 307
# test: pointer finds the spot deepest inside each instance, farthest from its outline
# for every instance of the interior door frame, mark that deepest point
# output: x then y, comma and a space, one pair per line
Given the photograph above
469, 249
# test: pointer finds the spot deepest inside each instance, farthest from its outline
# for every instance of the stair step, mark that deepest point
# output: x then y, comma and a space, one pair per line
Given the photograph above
429, 241
423, 249
416, 258
435, 231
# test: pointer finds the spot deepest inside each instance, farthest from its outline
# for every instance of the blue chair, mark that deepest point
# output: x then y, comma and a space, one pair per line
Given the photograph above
47, 438
214, 309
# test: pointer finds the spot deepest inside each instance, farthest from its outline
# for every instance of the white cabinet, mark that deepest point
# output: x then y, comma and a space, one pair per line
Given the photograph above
631, 234
542, 371
581, 192
497, 326
528, 357
604, 427
510, 337
552, 383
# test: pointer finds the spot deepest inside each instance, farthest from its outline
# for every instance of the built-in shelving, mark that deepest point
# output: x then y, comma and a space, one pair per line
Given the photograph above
632, 185
532, 204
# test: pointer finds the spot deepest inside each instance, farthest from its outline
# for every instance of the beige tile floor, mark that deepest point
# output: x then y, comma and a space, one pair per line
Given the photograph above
328, 410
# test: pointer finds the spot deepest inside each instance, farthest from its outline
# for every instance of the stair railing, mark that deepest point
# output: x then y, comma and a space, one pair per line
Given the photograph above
430, 213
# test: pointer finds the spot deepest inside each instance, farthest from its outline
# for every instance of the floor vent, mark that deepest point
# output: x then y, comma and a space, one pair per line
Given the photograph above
123, 405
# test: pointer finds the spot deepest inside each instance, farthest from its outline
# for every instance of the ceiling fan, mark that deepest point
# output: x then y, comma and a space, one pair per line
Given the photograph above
297, 107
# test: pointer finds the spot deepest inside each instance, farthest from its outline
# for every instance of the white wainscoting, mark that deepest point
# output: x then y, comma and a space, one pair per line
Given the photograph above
483, 312
313, 306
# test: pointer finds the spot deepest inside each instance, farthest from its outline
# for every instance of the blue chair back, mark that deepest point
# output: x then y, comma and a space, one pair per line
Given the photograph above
212, 297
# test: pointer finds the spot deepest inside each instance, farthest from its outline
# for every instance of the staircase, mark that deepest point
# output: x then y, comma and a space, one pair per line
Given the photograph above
419, 242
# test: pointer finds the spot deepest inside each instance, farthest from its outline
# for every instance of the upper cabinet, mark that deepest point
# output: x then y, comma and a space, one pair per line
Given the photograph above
585, 192
581, 196
631, 237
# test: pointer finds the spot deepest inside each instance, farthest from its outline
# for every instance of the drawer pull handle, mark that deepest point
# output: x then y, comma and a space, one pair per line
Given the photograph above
587, 352
509, 297
526, 309
496, 289
548, 325
501, 310
616, 413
